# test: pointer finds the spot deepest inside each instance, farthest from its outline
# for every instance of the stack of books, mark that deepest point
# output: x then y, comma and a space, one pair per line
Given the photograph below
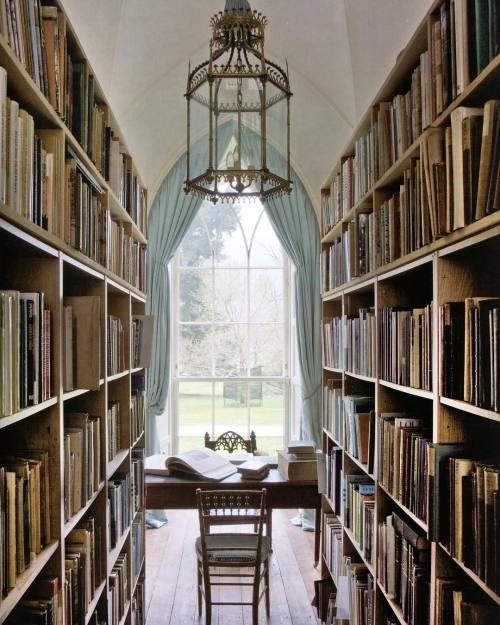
253, 470
298, 462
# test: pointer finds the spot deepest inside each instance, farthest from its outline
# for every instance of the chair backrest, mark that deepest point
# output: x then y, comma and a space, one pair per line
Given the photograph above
231, 507
232, 441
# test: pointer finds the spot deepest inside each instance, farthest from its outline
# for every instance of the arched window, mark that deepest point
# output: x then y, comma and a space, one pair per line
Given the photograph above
232, 346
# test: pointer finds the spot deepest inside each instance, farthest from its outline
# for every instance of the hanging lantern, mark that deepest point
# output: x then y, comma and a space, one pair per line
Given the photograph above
243, 100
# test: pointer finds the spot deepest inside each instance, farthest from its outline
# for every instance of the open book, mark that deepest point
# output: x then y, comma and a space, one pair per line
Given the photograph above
196, 462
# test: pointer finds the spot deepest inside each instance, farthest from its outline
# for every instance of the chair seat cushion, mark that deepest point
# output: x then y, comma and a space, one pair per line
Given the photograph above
237, 548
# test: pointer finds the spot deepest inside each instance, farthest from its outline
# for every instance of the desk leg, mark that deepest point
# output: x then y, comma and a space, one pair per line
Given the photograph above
269, 526
317, 535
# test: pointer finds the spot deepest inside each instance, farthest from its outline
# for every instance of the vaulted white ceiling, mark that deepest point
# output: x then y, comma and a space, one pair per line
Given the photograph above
338, 51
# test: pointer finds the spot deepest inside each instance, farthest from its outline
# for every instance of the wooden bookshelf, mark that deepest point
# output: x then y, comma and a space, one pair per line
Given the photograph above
34, 259
461, 264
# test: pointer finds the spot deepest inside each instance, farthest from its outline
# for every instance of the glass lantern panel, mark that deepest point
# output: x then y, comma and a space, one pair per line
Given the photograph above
276, 121
198, 143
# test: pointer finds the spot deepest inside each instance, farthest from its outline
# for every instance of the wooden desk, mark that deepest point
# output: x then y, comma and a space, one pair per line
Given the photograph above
179, 493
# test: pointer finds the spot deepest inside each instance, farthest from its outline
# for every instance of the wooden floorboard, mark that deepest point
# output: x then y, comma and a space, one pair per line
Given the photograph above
171, 576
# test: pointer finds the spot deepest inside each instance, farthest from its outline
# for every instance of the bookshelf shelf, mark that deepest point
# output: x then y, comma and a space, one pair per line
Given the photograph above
359, 464
76, 518
470, 408
411, 515
118, 548
25, 580
116, 463
395, 171
475, 578
136, 370
117, 376
138, 439
398, 612
44, 262
409, 390
333, 370
358, 549
27, 412
358, 376
95, 600
125, 614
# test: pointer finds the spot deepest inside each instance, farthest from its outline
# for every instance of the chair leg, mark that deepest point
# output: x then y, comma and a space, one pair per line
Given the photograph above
255, 598
200, 581
267, 595
208, 597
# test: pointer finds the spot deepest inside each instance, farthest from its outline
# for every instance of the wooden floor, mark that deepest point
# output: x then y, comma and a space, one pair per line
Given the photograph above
171, 576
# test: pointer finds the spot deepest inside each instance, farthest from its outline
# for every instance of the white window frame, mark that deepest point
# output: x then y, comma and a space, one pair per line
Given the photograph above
289, 379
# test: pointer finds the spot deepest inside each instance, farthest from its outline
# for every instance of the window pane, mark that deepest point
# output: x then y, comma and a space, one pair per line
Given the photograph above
231, 350
266, 349
266, 295
195, 410
230, 296
227, 238
195, 350
267, 415
266, 250
195, 295
231, 407
196, 247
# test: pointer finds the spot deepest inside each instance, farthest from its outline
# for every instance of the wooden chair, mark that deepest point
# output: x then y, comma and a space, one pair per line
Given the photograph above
248, 551
232, 441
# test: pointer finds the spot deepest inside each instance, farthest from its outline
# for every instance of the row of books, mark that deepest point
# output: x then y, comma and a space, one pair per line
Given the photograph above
25, 527
25, 352
359, 512
332, 544
333, 351
403, 459
137, 479
457, 606
359, 437
142, 339
333, 478
352, 254
118, 508
85, 217
116, 345
325, 600
138, 607
113, 420
137, 542
118, 589
454, 182
82, 460
474, 517
42, 604
405, 346
29, 161
464, 38
469, 351
333, 409
81, 342
125, 256
360, 343
361, 592
404, 568
84, 569
137, 407
37, 35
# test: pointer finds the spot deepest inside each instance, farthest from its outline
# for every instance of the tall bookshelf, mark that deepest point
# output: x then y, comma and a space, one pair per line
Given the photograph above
450, 267
40, 259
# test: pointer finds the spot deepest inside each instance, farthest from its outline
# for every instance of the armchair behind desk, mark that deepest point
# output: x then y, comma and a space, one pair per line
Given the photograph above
232, 441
